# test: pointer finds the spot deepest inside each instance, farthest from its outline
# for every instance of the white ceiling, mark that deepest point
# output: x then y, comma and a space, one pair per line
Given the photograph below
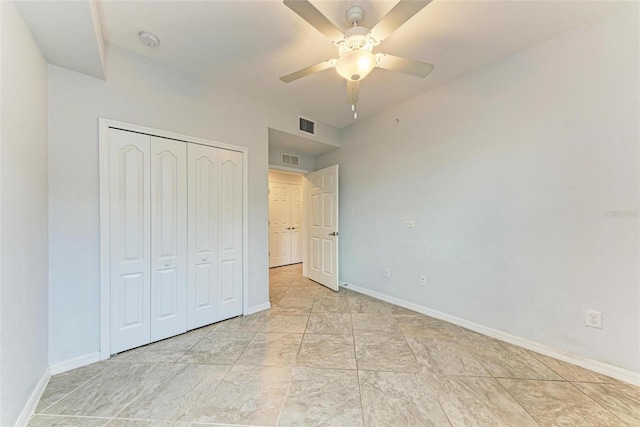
248, 45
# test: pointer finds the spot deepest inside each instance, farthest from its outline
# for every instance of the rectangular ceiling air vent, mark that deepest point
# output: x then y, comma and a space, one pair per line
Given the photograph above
307, 126
290, 159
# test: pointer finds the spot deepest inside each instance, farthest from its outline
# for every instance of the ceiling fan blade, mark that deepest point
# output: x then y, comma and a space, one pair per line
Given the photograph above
404, 65
401, 13
353, 89
307, 71
309, 13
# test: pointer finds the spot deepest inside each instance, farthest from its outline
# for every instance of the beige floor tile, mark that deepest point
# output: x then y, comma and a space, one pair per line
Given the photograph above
61, 421
289, 311
475, 401
169, 350
621, 399
399, 399
285, 323
322, 397
331, 305
233, 373
329, 323
252, 323
374, 324
304, 281
384, 354
271, 349
572, 372
365, 304
110, 392
218, 348
295, 302
556, 403
249, 395
144, 423
302, 292
172, 396
62, 384
397, 310
504, 360
445, 357
324, 292
424, 327
327, 351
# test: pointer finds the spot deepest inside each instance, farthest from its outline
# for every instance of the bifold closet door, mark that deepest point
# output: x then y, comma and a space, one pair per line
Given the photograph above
168, 238
215, 235
130, 243
230, 241
202, 293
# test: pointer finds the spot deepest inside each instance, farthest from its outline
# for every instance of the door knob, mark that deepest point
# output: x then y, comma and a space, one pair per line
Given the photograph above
335, 233
167, 264
204, 258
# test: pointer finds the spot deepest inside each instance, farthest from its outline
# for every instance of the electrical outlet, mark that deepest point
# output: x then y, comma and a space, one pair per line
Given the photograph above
423, 280
593, 319
386, 273
408, 224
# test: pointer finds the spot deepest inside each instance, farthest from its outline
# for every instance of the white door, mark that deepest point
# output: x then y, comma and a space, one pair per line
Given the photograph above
230, 234
130, 227
323, 227
279, 224
168, 238
202, 296
296, 223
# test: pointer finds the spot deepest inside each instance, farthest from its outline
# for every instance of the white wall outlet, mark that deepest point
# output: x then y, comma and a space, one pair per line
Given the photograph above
408, 224
593, 319
386, 273
423, 280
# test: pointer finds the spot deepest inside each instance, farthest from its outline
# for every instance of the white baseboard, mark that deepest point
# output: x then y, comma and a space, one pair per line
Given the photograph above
257, 308
591, 364
76, 362
30, 407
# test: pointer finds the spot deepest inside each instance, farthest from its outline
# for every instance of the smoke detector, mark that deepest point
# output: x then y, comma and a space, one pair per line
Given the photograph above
148, 39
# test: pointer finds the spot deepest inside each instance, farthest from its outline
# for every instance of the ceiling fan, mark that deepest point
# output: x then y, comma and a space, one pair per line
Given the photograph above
355, 47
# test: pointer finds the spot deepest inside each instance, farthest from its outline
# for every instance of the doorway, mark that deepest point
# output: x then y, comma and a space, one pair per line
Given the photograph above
286, 234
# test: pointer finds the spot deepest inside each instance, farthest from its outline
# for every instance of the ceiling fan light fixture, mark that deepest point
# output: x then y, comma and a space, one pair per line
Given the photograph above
356, 64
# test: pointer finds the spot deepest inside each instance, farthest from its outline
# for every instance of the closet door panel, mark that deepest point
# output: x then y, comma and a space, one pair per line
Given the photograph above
168, 238
129, 161
230, 226
202, 294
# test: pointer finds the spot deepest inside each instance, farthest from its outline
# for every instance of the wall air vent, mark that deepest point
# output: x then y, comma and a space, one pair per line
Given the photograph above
306, 126
290, 159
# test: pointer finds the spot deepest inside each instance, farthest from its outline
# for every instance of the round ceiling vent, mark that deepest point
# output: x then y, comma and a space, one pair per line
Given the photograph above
148, 39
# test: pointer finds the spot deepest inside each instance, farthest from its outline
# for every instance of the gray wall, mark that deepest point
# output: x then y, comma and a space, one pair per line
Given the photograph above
510, 174
23, 215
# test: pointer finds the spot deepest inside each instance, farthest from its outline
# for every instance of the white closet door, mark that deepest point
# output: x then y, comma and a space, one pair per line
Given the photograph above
296, 223
130, 218
230, 234
279, 224
202, 298
168, 238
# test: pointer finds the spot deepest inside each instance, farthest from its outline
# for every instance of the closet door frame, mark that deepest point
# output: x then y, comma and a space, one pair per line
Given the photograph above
105, 232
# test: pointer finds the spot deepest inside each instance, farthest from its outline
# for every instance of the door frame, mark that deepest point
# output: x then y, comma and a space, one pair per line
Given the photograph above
105, 263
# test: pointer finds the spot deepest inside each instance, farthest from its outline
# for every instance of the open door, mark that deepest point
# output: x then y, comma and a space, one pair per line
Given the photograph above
323, 227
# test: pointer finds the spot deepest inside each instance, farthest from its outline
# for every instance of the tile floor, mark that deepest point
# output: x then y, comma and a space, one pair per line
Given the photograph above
340, 359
